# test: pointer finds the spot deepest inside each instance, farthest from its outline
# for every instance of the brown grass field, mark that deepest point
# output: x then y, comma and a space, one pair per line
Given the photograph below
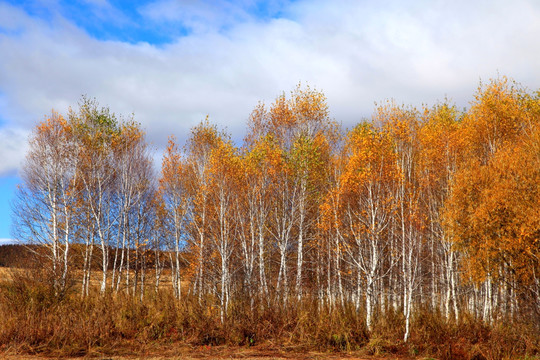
7, 274
219, 352
35, 325
158, 351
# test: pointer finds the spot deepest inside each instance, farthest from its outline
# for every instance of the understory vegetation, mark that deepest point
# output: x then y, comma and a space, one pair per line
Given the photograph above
37, 321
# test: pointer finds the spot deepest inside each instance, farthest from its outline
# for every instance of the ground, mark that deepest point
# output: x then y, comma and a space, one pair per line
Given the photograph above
218, 352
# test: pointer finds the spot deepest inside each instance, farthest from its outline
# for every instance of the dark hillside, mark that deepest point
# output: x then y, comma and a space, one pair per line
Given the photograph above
16, 255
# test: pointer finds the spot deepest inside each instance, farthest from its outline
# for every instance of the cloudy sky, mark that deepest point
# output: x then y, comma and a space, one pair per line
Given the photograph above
172, 62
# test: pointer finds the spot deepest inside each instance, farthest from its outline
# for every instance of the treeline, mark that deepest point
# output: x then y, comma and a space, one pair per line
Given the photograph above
429, 208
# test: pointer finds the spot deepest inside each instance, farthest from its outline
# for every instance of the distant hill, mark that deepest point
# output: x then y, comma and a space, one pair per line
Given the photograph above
16, 255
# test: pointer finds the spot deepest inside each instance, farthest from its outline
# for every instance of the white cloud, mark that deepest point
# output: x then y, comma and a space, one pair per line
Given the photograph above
202, 16
357, 52
13, 145
7, 241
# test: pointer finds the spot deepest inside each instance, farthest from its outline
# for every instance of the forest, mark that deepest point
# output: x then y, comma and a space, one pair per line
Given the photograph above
416, 232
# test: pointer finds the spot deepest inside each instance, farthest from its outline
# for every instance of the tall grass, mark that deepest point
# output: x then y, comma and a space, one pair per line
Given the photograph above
36, 320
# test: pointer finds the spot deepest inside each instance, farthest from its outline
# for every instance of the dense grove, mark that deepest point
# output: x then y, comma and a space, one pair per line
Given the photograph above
413, 224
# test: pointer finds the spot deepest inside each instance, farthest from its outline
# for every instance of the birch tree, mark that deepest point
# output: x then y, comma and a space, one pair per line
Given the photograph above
441, 147
204, 138
176, 204
44, 208
96, 129
224, 170
369, 203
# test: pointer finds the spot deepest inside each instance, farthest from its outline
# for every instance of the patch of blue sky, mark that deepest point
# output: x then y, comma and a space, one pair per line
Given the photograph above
126, 21
121, 21
3, 105
35, 8
10, 32
8, 185
102, 20
267, 10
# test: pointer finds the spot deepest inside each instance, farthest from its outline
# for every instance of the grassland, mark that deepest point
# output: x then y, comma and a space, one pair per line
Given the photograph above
38, 324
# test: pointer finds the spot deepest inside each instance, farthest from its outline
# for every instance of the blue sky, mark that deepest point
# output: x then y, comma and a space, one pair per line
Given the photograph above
172, 62
153, 22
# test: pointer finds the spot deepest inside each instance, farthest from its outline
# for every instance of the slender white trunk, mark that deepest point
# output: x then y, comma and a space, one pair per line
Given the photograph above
449, 282
369, 303
223, 290
105, 252
262, 273
487, 300
55, 242
454, 295
282, 275
300, 252
407, 317
358, 295
200, 271
66, 253
157, 267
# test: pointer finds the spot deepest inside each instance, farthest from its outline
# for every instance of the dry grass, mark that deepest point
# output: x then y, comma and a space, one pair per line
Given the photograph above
221, 352
38, 322
7, 274
224, 355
